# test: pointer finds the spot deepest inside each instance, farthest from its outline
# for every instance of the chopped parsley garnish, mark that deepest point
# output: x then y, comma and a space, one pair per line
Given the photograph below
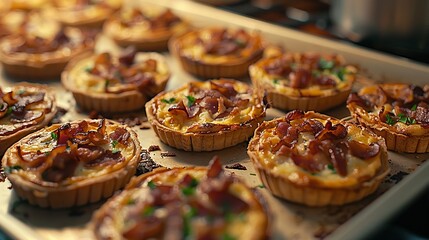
88, 69
190, 189
261, 186
227, 236
9, 110
414, 107
131, 201
187, 218
325, 64
240, 42
332, 168
114, 143
390, 120
169, 101
106, 83
276, 81
54, 135
151, 185
340, 73
191, 100
406, 120
253, 174
8, 170
148, 211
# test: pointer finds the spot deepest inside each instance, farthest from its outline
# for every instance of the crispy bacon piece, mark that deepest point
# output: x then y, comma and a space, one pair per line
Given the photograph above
363, 151
355, 98
308, 161
337, 131
226, 88
311, 125
63, 166
9, 98
107, 158
32, 159
148, 227
211, 104
121, 135
282, 129
89, 153
338, 158
215, 168
300, 78
294, 114
26, 116
164, 20
164, 194
325, 80
279, 67
128, 55
178, 109
174, 223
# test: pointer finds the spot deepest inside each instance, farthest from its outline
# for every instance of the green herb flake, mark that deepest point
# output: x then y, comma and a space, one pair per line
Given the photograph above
190, 189
253, 174
115, 150
402, 118
131, 201
331, 168
168, 101
261, 186
240, 42
106, 84
9, 110
390, 120
148, 211
187, 218
88, 69
114, 143
276, 81
54, 136
227, 236
10, 169
325, 64
151, 185
191, 100
341, 73
414, 107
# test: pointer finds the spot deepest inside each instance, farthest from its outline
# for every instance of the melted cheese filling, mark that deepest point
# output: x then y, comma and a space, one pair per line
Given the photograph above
44, 143
357, 169
252, 110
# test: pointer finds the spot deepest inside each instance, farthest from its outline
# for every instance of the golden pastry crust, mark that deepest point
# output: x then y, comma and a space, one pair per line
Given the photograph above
316, 160
42, 52
107, 83
206, 116
211, 203
217, 52
26, 5
148, 29
24, 109
72, 164
398, 112
88, 14
305, 81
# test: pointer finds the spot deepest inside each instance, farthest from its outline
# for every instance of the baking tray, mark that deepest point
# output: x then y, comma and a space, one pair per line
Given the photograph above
290, 221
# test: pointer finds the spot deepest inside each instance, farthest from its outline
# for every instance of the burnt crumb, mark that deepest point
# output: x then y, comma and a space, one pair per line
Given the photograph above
144, 127
168, 154
154, 148
397, 177
76, 212
57, 118
236, 166
2, 175
94, 115
146, 163
10, 187
130, 121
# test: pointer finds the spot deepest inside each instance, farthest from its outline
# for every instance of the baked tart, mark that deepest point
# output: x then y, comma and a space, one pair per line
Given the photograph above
184, 203
305, 81
398, 112
215, 52
148, 29
317, 160
108, 83
206, 116
38, 52
72, 164
24, 109
83, 13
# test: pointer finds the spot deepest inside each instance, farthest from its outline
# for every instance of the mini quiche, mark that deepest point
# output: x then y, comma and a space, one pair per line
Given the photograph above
316, 160
305, 81
215, 52
107, 83
38, 52
398, 112
72, 164
24, 109
206, 116
184, 203
148, 29
83, 13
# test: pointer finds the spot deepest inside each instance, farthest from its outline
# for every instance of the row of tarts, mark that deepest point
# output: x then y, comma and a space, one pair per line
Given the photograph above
305, 157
